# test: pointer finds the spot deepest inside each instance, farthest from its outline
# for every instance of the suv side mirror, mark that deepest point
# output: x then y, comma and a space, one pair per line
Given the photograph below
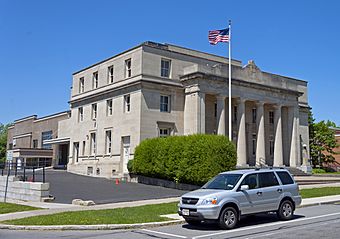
244, 187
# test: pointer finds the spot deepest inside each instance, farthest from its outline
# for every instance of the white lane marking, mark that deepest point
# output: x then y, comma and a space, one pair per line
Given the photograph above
266, 225
163, 233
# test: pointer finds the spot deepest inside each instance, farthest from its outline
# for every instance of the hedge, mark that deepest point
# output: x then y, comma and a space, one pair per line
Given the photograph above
190, 159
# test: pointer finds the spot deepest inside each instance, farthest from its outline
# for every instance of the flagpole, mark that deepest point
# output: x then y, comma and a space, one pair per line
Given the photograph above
230, 138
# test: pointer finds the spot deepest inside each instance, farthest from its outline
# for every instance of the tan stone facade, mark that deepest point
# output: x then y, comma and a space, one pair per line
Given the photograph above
156, 90
26, 140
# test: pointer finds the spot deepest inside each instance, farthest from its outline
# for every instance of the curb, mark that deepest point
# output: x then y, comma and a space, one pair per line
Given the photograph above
93, 227
318, 203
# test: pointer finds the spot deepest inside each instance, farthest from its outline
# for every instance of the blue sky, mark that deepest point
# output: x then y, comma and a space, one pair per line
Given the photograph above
43, 42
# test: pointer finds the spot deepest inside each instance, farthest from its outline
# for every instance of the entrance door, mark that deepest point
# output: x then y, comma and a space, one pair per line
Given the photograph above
63, 154
126, 152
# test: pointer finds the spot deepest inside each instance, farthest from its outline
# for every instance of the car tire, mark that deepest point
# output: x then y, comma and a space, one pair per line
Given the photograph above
193, 222
228, 218
286, 210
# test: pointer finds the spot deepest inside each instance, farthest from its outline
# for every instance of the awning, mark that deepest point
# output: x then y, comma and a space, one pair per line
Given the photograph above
65, 140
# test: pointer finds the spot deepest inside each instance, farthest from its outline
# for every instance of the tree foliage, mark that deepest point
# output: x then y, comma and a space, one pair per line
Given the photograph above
322, 141
187, 159
3, 142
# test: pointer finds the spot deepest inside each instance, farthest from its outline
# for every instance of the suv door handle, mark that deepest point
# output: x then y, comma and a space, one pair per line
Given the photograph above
259, 193
279, 190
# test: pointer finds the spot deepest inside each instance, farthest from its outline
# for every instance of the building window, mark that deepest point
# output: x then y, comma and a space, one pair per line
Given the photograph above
76, 151
271, 117
128, 68
93, 144
109, 107
35, 143
45, 136
81, 85
80, 114
165, 68
127, 105
235, 113
165, 103
108, 140
84, 147
215, 110
110, 74
271, 145
164, 132
94, 111
253, 141
254, 112
95, 80
10, 146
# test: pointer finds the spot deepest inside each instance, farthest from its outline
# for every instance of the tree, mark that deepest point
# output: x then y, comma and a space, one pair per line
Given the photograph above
322, 141
3, 142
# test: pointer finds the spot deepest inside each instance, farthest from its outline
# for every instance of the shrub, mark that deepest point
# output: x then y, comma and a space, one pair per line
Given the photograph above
186, 159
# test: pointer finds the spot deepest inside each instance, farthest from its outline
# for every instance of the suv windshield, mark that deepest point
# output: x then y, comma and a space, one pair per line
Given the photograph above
223, 182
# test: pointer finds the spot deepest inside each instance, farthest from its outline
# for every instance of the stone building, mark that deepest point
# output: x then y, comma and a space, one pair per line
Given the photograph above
26, 140
156, 90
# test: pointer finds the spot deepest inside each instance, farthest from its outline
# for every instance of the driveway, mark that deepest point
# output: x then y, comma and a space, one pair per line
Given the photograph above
66, 186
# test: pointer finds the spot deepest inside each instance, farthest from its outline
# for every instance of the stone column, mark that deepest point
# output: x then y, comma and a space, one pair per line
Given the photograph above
260, 143
194, 113
241, 137
220, 114
295, 141
278, 147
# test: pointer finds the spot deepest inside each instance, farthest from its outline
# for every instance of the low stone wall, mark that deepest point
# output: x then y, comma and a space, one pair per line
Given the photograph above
26, 191
162, 183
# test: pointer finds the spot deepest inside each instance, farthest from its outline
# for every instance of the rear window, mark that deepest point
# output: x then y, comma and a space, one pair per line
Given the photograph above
267, 180
285, 178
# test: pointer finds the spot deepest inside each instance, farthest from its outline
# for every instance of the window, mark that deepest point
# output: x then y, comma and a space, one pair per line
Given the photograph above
254, 115
271, 117
164, 132
235, 113
93, 144
76, 151
285, 178
81, 85
35, 143
108, 141
267, 180
80, 114
271, 145
127, 105
251, 180
45, 136
253, 141
10, 146
215, 110
94, 111
109, 107
110, 74
128, 68
84, 147
223, 181
165, 68
95, 80
165, 103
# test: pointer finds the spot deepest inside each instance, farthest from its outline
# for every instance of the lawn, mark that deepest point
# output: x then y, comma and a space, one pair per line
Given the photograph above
10, 207
319, 192
140, 214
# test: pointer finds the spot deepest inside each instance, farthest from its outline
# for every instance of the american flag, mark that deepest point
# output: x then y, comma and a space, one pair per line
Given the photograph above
216, 36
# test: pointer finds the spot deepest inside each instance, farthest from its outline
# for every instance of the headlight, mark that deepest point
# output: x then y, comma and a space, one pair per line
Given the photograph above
209, 201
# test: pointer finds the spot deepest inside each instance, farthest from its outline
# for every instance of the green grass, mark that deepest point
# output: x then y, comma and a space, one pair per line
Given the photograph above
323, 171
10, 207
319, 192
140, 214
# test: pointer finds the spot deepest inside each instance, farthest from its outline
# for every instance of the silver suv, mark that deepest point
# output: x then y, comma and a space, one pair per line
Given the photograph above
230, 195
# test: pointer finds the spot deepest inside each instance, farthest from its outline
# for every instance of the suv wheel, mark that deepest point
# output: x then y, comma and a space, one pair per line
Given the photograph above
286, 210
193, 222
228, 218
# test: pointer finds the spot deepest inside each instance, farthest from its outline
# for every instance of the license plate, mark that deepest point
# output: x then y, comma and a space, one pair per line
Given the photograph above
185, 212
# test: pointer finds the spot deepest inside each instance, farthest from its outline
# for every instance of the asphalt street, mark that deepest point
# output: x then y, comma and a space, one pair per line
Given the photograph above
65, 186
309, 222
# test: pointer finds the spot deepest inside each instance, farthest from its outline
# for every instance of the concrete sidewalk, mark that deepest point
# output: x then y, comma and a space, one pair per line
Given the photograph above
175, 217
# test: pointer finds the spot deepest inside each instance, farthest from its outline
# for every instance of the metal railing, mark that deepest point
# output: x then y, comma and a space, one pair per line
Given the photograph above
23, 172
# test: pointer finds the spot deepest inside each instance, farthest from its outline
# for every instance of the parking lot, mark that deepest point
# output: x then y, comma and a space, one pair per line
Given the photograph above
66, 186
